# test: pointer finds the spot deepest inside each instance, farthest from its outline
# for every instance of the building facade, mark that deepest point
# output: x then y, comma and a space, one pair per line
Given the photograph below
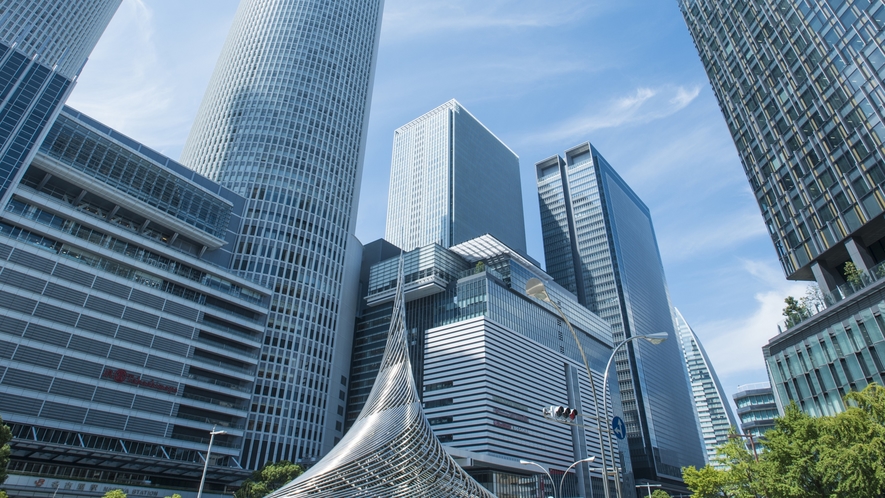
710, 402
491, 358
283, 123
756, 408
452, 180
800, 86
124, 338
43, 46
599, 243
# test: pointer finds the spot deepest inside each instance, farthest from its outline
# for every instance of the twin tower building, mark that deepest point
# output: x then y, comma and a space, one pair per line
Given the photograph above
147, 301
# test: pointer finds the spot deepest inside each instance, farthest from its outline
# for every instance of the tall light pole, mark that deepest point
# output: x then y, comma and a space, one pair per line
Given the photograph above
656, 338
212, 435
558, 490
535, 287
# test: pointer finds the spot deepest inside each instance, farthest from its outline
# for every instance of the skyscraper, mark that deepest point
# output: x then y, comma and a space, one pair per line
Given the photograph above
283, 123
710, 402
800, 86
756, 408
600, 244
451, 180
43, 46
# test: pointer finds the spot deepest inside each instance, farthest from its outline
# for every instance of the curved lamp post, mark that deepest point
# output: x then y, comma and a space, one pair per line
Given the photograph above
557, 490
212, 435
535, 287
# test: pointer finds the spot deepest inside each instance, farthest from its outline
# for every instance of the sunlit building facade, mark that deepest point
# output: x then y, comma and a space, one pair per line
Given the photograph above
756, 409
491, 358
283, 123
124, 338
43, 46
800, 86
452, 180
715, 417
599, 243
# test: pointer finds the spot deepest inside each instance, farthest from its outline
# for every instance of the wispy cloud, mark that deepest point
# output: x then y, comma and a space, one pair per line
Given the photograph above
735, 346
406, 19
643, 105
726, 230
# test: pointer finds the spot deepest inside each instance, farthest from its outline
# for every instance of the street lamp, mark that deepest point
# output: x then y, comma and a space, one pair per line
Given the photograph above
212, 435
655, 338
535, 287
558, 490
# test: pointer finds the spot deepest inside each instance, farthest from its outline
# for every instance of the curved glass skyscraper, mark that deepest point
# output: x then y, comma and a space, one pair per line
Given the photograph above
283, 123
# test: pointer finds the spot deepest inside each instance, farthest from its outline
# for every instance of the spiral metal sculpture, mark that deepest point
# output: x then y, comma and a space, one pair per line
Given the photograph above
390, 451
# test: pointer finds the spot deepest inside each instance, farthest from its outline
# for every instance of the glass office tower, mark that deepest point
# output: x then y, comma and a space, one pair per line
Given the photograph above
451, 180
800, 86
283, 123
43, 46
600, 244
710, 402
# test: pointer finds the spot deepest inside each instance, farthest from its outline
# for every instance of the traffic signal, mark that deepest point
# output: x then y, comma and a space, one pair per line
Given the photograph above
561, 413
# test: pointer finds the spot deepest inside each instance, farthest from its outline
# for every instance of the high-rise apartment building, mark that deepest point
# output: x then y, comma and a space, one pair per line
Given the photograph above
452, 180
489, 359
43, 46
124, 338
710, 401
800, 85
283, 123
600, 244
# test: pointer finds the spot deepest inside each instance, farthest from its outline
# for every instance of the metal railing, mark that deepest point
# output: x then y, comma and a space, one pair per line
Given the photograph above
840, 293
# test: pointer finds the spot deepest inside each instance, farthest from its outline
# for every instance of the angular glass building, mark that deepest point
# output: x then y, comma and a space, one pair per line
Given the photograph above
710, 402
283, 123
124, 339
452, 180
800, 86
490, 359
599, 243
43, 46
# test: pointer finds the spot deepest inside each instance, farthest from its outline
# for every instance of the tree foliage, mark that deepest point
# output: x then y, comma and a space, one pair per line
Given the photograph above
5, 438
853, 274
806, 457
268, 478
660, 493
115, 493
794, 310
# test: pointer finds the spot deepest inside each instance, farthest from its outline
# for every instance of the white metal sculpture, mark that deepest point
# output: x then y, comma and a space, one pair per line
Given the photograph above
390, 451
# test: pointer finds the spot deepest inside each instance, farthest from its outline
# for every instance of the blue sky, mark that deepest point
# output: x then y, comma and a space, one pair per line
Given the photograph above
543, 76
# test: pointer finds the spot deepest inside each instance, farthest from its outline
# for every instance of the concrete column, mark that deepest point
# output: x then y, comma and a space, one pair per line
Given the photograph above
825, 278
859, 254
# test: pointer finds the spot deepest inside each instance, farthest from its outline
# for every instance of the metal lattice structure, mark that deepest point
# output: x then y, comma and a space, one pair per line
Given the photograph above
390, 451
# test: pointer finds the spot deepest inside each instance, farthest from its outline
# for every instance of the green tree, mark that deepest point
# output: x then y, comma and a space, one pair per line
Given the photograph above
660, 493
3, 494
853, 274
5, 438
115, 493
268, 478
794, 311
806, 457
174, 495
480, 267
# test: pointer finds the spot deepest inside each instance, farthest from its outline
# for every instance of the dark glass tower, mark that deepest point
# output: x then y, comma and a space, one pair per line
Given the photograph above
800, 84
43, 46
600, 244
283, 123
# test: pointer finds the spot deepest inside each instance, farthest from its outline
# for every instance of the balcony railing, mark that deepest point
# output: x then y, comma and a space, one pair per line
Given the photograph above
840, 293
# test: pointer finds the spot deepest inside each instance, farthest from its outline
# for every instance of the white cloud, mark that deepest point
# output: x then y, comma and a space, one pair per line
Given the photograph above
643, 105
705, 236
735, 346
406, 19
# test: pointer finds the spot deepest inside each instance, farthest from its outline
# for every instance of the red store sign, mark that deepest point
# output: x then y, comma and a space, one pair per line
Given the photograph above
124, 377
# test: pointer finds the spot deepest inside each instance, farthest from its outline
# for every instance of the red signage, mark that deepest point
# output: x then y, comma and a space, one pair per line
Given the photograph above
124, 377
